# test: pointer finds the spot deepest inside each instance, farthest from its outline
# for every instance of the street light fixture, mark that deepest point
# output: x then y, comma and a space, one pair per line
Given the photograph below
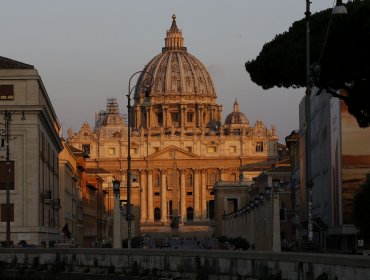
147, 86
338, 9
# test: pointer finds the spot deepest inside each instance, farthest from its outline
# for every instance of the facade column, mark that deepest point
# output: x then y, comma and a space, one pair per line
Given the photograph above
143, 198
164, 114
197, 213
200, 116
147, 119
204, 194
183, 115
183, 195
150, 197
163, 197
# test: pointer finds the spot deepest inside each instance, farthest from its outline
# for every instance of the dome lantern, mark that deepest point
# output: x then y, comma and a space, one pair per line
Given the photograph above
174, 39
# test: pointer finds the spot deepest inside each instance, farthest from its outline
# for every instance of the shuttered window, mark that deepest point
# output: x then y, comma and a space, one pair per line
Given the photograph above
6, 173
3, 212
6, 92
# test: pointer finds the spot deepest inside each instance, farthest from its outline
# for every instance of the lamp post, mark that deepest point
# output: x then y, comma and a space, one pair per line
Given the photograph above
117, 240
147, 85
338, 9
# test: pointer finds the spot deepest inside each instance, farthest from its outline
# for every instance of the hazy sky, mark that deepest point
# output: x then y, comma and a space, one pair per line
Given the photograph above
86, 50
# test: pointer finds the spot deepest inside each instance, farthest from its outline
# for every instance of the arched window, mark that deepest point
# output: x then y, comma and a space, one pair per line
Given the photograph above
233, 177
189, 214
189, 180
156, 180
157, 214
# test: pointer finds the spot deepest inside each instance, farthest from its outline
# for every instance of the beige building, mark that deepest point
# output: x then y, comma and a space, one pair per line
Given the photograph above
33, 151
70, 193
179, 145
262, 213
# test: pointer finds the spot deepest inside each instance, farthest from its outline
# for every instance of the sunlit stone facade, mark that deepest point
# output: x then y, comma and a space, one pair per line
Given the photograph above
179, 145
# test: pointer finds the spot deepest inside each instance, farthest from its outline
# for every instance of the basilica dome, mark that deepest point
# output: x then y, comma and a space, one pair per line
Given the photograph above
182, 96
175, 71
236, 117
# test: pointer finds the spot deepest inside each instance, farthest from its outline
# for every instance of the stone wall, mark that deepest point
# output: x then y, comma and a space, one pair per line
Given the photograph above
187, 264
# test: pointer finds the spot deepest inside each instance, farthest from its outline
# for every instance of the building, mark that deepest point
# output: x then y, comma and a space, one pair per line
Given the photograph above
31, 149
340, 156
179, 145
70, 194
262, 212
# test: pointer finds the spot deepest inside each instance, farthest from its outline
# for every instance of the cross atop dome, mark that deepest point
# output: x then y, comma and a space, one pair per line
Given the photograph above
174, 39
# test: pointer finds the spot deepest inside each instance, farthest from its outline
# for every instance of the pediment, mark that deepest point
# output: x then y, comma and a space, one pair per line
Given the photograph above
173, 152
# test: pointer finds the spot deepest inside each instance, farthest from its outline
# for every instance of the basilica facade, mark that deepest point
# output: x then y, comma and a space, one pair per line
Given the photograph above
180, 145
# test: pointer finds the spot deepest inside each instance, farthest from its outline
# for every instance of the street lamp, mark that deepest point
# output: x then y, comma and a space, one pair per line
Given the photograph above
9, 170
117, 241
338, 9
147, 86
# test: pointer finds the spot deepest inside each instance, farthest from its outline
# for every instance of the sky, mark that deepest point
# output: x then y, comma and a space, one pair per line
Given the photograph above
86, 50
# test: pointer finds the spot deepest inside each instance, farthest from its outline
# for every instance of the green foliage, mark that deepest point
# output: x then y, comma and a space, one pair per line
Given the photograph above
361, 208
339, 46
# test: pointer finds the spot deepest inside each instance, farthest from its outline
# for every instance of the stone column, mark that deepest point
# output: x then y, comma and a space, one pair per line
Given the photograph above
163, 197
197, 213
183, 196
164, 110
150, 197
204, 194
200, 120
182, 108
143, 198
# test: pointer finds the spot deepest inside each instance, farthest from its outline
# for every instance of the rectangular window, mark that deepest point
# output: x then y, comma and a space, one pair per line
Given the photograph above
112, 151
133, 151
189, 193
175, 118
4, 212
189, 149
2, 142
160, 118
6, 92
86, 148
212, 149
232, 149
189, 117
156, 149
259, 147
6, 173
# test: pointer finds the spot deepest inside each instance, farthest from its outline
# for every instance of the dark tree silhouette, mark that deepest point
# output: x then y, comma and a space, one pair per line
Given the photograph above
340, 56
361, 208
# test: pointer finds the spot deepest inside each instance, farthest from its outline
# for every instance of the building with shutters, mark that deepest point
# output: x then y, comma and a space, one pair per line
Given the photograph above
31, 149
